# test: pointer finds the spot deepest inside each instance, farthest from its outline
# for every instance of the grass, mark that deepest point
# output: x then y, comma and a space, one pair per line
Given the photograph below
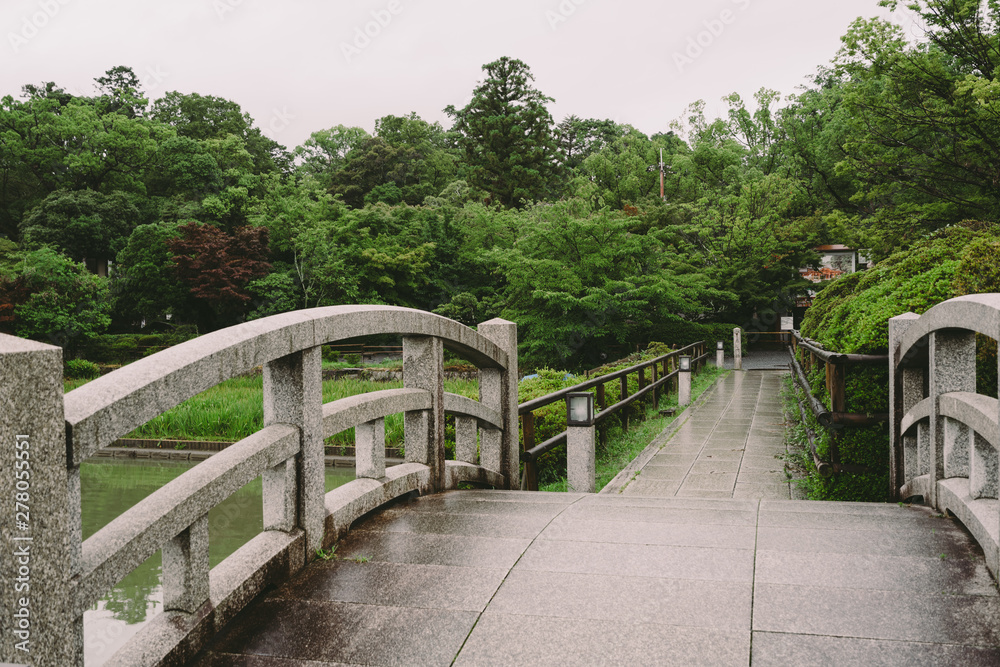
622, 447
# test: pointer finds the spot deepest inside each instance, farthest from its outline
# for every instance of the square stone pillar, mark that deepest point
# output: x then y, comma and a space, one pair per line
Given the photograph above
423, 368
293, 394
684, 388
581, 466
498, 450
952, 368
40, 521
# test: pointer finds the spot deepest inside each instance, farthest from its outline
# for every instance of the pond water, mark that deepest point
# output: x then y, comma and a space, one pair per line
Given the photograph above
110, 488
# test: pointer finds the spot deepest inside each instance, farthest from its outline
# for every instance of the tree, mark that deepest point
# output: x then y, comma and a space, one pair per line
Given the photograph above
55, 299
322, 155
506, 133
208, 117
81, 224
144, 284
216, 267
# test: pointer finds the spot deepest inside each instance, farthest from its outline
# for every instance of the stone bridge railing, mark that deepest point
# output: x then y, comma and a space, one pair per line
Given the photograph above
944, 435
49, 576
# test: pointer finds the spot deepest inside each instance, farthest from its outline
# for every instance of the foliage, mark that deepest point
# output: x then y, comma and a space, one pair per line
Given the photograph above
506, 133
56, 300
217, 267
82, 369
851, 314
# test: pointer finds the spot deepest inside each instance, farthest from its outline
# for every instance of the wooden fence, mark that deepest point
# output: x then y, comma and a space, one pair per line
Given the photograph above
662, 377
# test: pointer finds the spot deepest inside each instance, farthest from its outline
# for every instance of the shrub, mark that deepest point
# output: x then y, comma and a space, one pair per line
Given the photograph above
81, 369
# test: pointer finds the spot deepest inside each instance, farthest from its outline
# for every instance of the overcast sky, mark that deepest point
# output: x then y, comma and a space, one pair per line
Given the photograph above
299, 66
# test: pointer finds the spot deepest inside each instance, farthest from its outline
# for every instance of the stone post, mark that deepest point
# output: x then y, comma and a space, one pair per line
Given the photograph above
423, 431
952, 368
720, 355
738, 349
369, 449
498, 450
906, 388
684, 387
581, 467
293, 394
39, 523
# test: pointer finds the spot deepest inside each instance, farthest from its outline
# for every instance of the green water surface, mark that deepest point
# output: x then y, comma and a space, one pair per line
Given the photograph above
110, 488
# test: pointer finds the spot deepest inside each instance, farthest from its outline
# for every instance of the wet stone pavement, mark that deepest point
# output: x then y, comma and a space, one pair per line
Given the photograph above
730, 444
673, 571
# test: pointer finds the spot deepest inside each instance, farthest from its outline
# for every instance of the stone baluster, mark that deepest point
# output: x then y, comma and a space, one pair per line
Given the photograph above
423, 368
466, 435
983, 473
369, 449
185, 569
293, 394
498, 449
40, 537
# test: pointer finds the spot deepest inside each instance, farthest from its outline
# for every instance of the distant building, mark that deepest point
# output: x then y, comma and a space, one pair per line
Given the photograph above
835, 260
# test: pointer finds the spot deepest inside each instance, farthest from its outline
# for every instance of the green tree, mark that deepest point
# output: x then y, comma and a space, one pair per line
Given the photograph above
144, 283
506, 133
81, 224
322, 155
60, 301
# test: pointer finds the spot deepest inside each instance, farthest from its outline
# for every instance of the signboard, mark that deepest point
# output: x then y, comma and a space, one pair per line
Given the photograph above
787, 324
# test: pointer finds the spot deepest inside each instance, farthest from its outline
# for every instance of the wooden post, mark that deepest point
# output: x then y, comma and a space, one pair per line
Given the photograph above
837, 387
656, 392
530, 469
624, 395
602, 429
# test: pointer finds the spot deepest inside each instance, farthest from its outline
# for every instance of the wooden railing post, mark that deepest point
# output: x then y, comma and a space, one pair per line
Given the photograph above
498, 390
601, 400
293, 394
40, 521
624, 394
530, 467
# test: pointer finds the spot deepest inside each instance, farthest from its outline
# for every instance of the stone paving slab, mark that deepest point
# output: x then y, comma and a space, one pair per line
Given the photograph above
633, 580
772, 649
730, 443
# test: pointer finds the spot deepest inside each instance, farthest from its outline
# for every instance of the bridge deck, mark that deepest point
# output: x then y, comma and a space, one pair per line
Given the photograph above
687, 576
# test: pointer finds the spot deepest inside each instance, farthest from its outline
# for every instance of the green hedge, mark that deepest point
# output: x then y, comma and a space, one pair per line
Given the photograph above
851, 315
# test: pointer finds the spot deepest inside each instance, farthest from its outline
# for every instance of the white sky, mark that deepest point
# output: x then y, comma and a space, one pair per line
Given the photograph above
285, 62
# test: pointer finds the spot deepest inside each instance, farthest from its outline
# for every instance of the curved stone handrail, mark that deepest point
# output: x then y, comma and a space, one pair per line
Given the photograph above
59, 432
945, 437
109, 407
974, 312
126, 542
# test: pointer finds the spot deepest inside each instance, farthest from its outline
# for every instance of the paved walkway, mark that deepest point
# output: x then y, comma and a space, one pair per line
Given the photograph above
688, 576
521, 578
730, 444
